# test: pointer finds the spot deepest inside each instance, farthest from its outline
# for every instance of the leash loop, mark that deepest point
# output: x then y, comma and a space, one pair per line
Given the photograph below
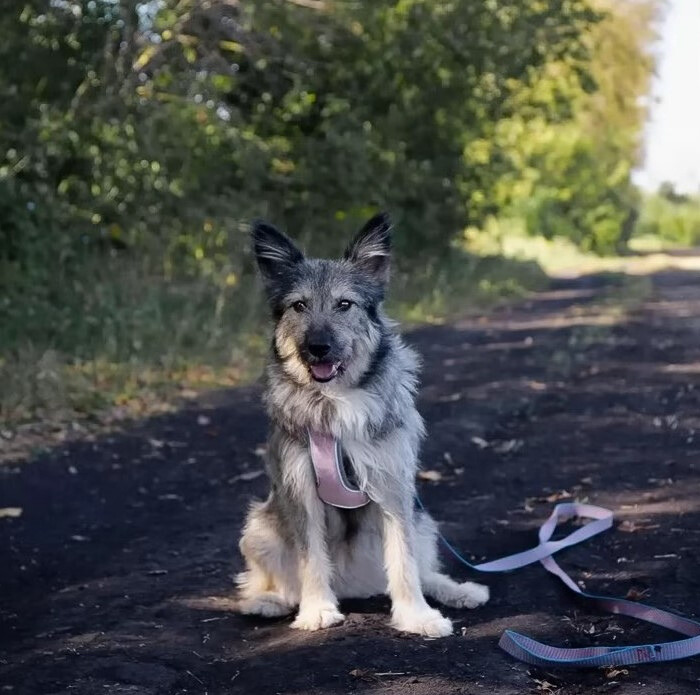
537, 653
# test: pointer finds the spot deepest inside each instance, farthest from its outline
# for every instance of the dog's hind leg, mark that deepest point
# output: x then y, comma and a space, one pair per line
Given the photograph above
268, 586
449, 592
435, 584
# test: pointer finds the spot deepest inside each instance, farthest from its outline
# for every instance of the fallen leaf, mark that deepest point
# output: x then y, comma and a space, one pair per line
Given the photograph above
363, 674
247, 476
434, 476
481, 443
628, 526
79, 538
537, 385
507, 446
203, 420
615, 672
556, 496
635, 594
545, 686
450, 398
10, 512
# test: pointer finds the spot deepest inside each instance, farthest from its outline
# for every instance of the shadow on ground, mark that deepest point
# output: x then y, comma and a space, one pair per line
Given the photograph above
117, 576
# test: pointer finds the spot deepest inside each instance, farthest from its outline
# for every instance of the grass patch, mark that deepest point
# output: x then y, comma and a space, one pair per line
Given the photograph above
652, 243
118, 337
509, 238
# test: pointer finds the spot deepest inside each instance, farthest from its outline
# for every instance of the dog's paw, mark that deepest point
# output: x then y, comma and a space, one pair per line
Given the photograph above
469, 595
268, 605
317, 617
427, 622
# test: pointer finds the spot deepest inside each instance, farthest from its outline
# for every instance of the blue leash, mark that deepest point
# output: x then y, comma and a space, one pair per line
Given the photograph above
537, 653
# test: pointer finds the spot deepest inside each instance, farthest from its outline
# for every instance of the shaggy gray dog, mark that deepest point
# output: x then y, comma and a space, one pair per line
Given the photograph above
338, 366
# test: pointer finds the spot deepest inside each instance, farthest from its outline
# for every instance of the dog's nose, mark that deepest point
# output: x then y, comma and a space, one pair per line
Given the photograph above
319, 349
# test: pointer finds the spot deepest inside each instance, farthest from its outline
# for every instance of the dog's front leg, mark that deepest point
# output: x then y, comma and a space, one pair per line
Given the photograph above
318, 606
409, 609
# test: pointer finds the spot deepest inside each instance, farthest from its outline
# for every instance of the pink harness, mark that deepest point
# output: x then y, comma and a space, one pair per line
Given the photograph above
332, 483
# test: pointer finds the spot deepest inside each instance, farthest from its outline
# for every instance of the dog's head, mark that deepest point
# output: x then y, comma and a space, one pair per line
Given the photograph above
328, 313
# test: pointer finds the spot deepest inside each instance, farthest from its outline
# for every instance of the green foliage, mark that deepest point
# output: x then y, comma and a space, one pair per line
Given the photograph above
671, 217
137, 139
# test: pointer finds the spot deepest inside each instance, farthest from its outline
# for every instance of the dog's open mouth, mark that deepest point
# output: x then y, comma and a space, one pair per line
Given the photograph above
324, 371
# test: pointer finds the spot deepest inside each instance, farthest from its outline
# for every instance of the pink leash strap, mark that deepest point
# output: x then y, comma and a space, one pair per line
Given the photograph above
537, 653
335, 489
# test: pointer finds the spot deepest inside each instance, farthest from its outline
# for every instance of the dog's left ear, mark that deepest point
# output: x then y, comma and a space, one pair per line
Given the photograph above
371, 249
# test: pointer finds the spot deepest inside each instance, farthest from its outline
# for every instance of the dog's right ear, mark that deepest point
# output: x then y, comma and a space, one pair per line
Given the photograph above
275, 252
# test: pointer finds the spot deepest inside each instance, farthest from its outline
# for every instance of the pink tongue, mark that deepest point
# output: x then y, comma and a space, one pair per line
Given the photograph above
324, 370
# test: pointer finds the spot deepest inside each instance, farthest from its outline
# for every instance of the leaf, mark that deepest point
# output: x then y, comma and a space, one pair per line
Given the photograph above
556, 496
232, 46
635, 594
433, 476
615, 672
144, 57
628, 526
10, 512
247, 476
508, 446
481, 443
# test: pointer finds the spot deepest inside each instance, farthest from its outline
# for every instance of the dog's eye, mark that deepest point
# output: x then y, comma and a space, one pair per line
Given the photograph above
299, 306
344, 304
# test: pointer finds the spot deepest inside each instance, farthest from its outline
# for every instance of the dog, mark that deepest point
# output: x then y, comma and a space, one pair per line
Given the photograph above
339, 366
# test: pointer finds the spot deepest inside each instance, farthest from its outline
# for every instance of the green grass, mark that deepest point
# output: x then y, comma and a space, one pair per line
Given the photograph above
508, 238
113, 332
118, 335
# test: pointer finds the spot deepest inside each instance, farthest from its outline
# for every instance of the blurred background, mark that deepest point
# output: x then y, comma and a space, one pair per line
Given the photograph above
508, 138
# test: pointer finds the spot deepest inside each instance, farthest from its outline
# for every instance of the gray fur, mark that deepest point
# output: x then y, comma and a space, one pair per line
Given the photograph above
299, 551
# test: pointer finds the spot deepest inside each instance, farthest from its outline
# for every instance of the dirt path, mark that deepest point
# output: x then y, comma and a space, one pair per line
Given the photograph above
117, 576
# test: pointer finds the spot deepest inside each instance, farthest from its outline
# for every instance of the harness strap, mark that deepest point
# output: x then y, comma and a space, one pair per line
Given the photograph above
332, 484
537, 653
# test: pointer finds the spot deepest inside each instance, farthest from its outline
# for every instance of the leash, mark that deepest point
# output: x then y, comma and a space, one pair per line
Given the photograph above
537, 653
335, 489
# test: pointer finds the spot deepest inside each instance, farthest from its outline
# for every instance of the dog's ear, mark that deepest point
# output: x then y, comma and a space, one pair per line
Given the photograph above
275, 253
371, 249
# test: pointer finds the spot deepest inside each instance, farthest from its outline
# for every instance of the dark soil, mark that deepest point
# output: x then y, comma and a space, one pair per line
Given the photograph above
117, 576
